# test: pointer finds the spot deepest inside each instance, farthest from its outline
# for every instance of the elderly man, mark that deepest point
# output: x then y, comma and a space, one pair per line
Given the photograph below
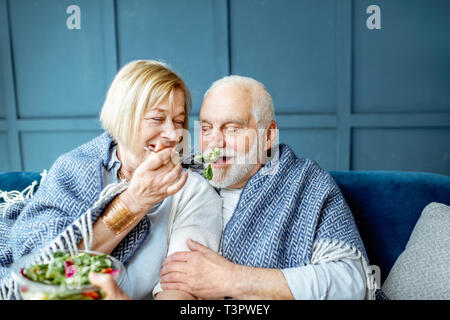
288, 232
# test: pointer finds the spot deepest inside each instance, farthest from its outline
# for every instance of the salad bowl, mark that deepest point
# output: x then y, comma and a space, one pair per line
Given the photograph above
63, 276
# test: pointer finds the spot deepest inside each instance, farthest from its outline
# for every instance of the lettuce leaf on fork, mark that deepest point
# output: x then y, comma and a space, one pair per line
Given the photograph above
212, 156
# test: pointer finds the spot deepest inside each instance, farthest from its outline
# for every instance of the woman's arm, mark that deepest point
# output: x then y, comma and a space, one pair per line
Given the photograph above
113, 292
105, 239
198, 215
154, 180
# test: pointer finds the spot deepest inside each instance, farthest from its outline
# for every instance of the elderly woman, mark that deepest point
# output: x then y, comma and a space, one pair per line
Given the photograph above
123, 193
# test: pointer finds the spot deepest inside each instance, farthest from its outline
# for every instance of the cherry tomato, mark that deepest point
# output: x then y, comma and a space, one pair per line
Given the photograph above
92, 294
107, 270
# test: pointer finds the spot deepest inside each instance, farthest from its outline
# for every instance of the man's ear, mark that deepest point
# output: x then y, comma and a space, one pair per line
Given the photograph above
271, 135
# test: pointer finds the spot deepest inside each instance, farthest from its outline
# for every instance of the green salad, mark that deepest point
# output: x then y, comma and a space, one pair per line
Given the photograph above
69, 273
212, 156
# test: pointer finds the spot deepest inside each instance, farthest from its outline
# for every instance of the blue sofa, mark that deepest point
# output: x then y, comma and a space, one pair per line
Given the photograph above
386, 205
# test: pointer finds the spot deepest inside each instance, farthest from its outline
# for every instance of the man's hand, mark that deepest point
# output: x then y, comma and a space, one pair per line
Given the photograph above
202, 272
206, 274
108, 286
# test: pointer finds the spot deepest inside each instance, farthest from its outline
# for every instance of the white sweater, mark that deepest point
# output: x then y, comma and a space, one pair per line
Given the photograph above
194, 212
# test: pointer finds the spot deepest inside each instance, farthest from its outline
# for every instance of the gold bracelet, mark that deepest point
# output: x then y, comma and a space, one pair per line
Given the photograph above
118, 216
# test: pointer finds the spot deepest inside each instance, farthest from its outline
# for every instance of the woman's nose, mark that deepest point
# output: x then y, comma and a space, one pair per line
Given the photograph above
169, 132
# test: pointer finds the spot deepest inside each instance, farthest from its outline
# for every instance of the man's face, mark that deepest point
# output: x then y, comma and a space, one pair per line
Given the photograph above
226, 122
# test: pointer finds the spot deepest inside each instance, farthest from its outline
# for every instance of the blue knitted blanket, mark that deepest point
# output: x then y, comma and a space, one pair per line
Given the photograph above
284, 208
70, 190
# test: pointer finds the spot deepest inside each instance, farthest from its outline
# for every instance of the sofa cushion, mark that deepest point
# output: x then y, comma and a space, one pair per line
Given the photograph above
422, 270
10, 181
386, 206
18, 180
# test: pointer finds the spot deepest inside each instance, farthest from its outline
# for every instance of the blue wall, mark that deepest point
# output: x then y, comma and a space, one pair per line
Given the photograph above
349, 97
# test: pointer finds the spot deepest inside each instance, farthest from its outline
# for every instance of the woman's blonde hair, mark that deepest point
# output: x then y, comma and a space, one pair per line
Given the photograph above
137, 87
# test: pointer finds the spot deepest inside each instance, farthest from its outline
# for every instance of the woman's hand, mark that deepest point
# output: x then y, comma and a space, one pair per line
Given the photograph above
154, 180
109, 287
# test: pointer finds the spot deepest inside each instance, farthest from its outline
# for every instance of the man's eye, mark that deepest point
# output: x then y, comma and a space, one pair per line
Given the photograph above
206, 129
157, 119
232, 130
181, 123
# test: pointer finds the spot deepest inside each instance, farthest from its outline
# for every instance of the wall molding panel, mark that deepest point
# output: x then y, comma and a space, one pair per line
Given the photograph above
338, 87
9, 91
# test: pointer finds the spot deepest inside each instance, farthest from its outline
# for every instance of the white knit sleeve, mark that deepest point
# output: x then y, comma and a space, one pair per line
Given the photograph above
198, 216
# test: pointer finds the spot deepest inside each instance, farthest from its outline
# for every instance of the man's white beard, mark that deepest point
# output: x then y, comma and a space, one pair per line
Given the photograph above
225, 177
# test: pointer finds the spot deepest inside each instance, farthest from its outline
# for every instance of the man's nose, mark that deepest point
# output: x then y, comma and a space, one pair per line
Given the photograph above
217, 139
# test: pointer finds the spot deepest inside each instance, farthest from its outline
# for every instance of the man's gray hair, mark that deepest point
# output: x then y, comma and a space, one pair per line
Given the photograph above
262, 103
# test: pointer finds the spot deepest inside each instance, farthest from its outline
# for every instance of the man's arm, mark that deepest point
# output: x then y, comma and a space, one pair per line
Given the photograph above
174, 295
249, 283
206, 274
342, 279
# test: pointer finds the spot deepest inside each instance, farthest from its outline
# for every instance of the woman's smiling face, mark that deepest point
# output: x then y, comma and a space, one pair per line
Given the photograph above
164, 122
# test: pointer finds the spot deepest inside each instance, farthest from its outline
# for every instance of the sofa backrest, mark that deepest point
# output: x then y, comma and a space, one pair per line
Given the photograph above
18, 180
386, 206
